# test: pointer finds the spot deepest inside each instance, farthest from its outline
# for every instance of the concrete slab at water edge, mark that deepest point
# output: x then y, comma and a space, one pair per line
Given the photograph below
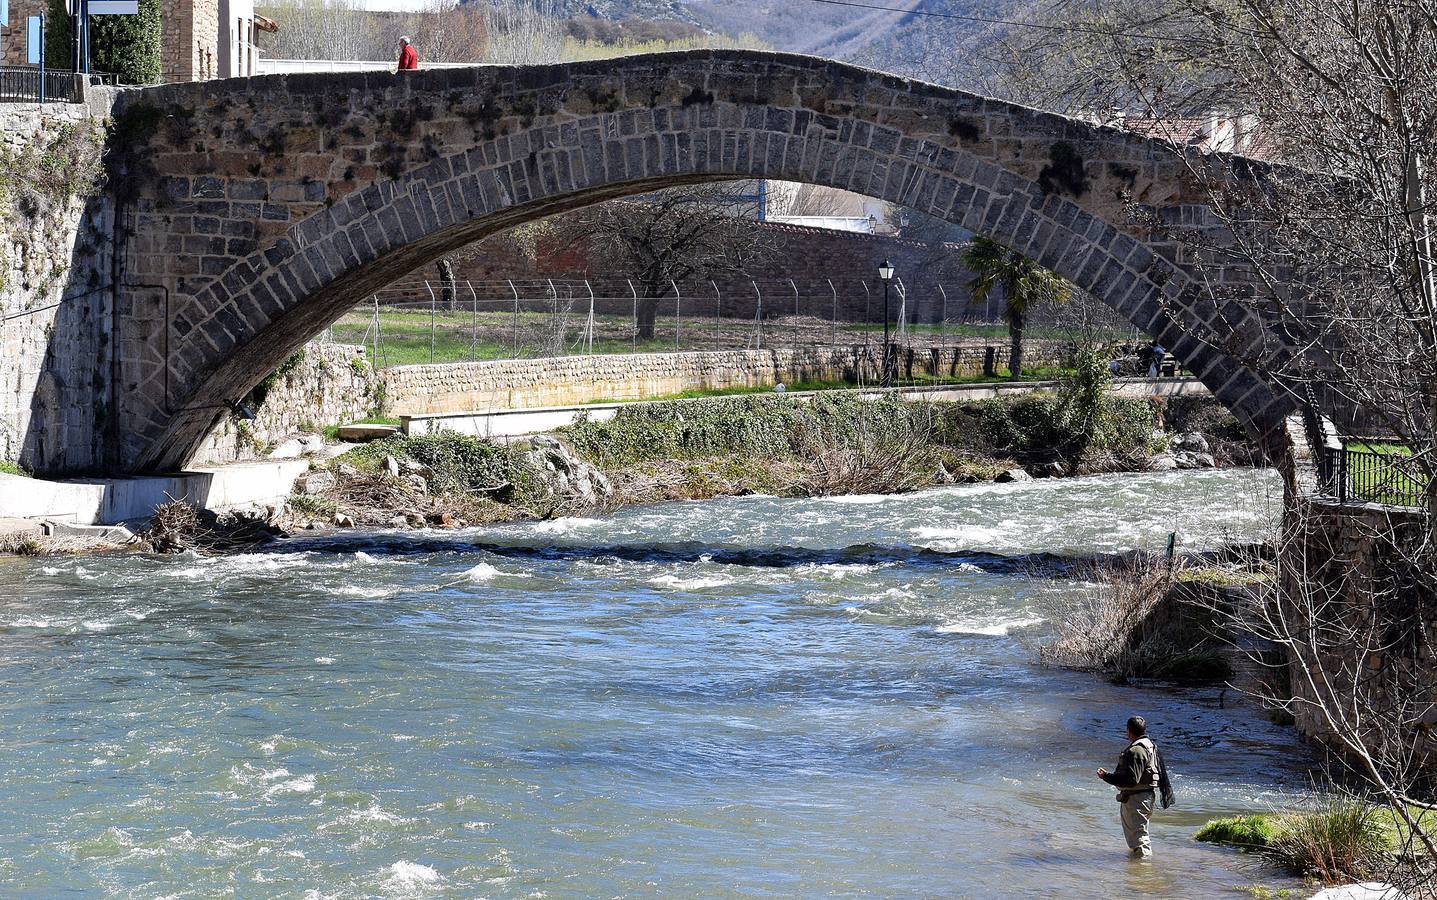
109, 501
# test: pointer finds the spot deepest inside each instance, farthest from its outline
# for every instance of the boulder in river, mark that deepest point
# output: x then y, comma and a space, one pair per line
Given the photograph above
1011, 475
571, 478
1163, 463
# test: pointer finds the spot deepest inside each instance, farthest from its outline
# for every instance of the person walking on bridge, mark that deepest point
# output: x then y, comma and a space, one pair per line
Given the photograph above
1139, 777
408, 56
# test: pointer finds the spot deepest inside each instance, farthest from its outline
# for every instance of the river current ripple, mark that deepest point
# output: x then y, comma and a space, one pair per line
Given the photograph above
740, 697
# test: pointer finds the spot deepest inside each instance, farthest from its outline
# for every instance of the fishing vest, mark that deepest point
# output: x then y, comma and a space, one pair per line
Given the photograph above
1148, 780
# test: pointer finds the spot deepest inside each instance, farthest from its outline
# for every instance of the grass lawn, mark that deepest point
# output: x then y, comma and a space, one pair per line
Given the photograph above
405, 334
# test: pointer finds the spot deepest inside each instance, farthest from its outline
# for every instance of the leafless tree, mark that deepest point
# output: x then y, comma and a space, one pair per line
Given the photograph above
1332, 238
498, 31
666, 238
795, 198
323, 29
1322, 279
1356, 666
523, 32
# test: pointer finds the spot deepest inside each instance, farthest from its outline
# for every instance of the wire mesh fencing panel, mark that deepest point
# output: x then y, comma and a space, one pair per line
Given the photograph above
422, 321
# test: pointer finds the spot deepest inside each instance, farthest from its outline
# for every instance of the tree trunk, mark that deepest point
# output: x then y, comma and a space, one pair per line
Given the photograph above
447, 285
1015, 345
648, 313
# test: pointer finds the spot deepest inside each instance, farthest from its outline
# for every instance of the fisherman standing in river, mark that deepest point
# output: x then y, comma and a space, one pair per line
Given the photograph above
1140, 776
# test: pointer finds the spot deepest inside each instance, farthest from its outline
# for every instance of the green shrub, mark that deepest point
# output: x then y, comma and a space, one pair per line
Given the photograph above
316, 507
1083, 420
757, 426
1253, 832
1342, 839
1030, 423
261, 391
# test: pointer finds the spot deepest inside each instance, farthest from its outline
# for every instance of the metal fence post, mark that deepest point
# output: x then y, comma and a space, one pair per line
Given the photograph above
589, 327
943, 316
678, 312
833, 325
867, 308
1342, 475
634, 335
433, 303
474, 340
757, 317
796, 311
514, 336
555, 333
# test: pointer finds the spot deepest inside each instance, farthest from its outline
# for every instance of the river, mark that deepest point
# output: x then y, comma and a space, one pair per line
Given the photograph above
741, 697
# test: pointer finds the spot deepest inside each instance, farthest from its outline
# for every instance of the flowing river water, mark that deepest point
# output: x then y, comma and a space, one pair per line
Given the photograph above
739, 697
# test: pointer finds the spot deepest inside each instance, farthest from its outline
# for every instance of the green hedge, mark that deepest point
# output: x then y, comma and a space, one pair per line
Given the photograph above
759, 426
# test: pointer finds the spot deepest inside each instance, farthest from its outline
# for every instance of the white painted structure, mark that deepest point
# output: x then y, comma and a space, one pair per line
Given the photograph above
238, 49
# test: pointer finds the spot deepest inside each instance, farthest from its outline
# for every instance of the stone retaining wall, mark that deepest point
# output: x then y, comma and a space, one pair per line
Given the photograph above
1359, 603
567, 380
328, 384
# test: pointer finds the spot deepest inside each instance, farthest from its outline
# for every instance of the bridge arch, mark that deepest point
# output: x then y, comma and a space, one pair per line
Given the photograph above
267, 207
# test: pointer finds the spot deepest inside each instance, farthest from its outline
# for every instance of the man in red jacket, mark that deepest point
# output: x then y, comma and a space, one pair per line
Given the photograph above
408, 58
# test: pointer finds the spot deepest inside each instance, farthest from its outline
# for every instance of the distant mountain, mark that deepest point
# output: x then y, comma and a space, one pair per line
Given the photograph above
904, 40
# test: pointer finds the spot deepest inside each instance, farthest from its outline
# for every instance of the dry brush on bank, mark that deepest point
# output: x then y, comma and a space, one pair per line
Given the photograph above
1143, 618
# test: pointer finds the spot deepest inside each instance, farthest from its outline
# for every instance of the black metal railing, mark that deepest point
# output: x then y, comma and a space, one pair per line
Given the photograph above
22, 84
1362, 475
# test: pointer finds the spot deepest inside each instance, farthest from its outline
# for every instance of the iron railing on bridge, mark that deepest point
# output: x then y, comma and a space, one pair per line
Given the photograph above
24, 84
1360, 474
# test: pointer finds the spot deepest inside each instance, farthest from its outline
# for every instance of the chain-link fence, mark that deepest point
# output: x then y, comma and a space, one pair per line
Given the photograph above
423, 321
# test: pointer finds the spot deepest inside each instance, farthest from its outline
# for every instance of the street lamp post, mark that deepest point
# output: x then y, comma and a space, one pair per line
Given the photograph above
885, 275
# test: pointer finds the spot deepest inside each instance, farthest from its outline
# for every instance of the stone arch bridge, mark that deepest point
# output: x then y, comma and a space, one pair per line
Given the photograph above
254, 212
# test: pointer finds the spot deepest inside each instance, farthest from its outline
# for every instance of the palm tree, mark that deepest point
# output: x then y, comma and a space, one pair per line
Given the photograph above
1026, 286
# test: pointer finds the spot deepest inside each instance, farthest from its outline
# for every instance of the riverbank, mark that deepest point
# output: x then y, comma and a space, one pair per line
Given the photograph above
822, 445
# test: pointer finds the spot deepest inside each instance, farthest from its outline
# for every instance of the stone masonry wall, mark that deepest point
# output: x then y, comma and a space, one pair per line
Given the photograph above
568, 380
1359, 566
55, 264
1356, 589
328, 384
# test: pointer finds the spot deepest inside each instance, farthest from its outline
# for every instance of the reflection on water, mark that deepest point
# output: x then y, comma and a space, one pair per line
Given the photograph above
748, 696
